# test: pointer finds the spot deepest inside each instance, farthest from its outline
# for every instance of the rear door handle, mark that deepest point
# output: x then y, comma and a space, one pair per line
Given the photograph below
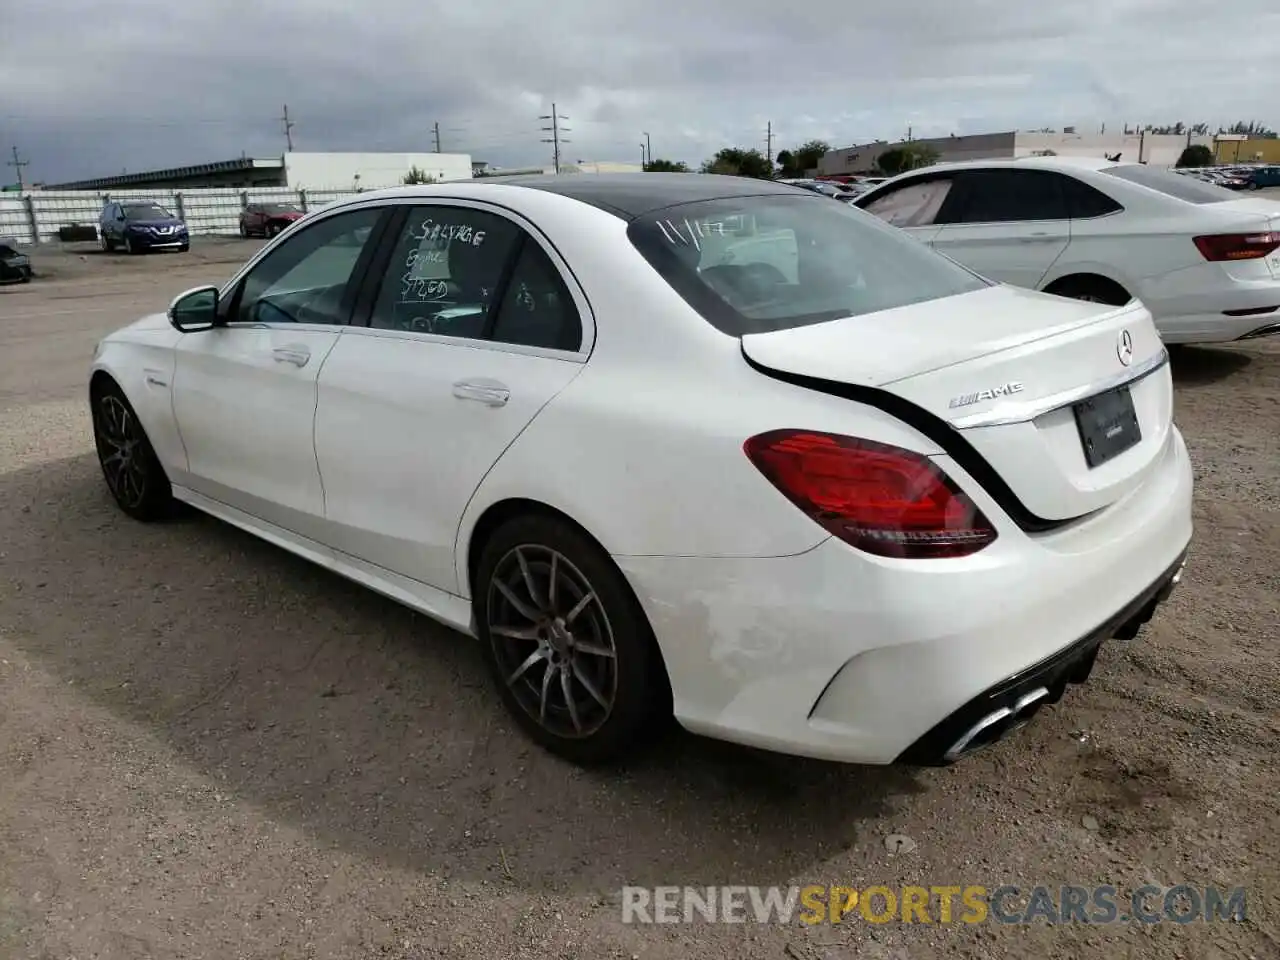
296, 354
489, 392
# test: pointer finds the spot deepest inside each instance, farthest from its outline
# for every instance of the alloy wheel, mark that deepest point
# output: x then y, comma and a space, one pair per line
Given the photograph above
120, 450
553, 641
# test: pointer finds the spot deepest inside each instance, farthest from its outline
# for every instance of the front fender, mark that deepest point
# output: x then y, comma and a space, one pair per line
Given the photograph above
144, 371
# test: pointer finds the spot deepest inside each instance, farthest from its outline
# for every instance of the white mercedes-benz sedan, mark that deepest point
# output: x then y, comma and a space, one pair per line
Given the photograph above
1204, 260
675, 443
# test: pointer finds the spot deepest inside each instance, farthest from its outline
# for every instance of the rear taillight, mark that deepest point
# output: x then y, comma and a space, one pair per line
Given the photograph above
1237, 246
881, 499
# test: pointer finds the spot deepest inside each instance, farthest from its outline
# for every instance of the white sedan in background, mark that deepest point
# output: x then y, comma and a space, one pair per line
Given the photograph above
1204, 260
677, 443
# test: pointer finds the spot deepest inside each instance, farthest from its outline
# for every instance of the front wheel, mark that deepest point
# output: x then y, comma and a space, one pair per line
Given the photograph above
129, 464
566, 642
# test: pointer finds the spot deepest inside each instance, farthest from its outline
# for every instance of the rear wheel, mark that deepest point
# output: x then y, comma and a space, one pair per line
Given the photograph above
567, 644
106, 243
129, 464
1091, 288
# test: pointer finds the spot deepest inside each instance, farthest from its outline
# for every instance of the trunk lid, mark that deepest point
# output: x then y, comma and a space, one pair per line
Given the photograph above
1003, 368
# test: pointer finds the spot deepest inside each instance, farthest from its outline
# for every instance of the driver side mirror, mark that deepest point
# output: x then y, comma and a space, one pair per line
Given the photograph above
195, 310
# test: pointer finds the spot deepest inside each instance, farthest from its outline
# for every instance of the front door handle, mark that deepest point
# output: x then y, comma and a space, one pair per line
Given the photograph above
296, 354
489, 392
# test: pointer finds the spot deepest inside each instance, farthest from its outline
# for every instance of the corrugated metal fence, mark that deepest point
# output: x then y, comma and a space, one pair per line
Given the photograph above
35, 217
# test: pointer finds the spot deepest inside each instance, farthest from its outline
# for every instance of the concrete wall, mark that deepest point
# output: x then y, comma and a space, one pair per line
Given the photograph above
36, 216
369, 171
862, 157
1159, 150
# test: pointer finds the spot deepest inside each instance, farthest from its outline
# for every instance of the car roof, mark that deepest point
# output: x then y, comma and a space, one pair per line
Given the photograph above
625, 195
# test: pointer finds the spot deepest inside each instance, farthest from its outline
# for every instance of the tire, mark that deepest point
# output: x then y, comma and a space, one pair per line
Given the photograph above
108, 245
129, 464
184, 248
244, 231
1092, 289
617, 698
129, 248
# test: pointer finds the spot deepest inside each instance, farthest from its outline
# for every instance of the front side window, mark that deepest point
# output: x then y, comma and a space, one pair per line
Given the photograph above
911, 205
764, 263
1170, 184
445, 271
310, 278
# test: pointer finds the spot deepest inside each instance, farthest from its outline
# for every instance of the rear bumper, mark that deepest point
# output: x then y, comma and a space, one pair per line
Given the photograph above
1219, 310
1009, 704
840, 656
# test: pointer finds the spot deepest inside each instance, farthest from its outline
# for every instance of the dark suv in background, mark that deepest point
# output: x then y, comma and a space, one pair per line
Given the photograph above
140, 226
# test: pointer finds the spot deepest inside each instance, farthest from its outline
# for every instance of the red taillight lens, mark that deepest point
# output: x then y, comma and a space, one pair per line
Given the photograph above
881, 499
1237, 246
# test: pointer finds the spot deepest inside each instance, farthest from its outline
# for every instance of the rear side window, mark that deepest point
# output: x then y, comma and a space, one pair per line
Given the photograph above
764, 263
1007, 196
914, 204
1085, 201
1171, 184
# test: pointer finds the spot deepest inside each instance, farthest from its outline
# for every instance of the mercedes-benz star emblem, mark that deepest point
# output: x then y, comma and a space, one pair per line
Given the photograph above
1124, 347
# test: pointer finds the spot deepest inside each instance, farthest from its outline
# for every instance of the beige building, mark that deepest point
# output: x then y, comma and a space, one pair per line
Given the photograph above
1156, 149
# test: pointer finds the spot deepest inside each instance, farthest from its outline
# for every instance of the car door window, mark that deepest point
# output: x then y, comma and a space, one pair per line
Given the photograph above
310, 277
445, 271
913, 204
537, 309
1009, 196
1084, 201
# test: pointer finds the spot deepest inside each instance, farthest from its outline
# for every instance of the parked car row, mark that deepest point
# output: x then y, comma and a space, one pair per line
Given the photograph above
913, 502
1237, 177
1204, 260
138, 227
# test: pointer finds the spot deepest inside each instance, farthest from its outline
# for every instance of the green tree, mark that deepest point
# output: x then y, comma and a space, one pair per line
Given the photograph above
1197, 155
417, 175
806, 157
666, 166
909, 156
736, 162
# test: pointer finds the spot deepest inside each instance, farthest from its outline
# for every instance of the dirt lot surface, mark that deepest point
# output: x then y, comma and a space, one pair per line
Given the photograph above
210, 749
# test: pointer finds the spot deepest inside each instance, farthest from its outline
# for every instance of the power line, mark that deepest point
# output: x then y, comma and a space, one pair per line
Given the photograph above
288, 128
555, 129
18, 164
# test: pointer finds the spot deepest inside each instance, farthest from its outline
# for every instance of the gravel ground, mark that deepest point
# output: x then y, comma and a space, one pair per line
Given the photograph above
210, 749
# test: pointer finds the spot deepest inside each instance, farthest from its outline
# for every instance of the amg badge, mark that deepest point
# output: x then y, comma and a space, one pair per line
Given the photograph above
1004, 390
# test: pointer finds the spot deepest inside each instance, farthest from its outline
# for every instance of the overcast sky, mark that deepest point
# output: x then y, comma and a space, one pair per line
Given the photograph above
90, 88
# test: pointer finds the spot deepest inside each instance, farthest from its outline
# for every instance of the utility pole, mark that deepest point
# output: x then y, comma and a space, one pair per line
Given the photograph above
17, 165
437, 130
288, 128
909, 134
555, 130
648, 146
644, 164
768, 145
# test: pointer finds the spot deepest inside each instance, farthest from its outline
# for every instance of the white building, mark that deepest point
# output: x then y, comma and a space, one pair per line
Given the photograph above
1156, 149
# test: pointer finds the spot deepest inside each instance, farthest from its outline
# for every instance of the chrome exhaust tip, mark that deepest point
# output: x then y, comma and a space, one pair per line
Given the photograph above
994, 725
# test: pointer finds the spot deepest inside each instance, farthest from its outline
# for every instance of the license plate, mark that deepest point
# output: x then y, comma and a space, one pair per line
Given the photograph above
1108, 425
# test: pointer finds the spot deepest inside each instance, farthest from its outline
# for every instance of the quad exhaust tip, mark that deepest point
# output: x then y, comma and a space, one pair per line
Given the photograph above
996, 724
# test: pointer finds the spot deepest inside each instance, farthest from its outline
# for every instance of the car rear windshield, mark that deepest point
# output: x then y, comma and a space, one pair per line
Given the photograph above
1174, 184
764, 263
147, 211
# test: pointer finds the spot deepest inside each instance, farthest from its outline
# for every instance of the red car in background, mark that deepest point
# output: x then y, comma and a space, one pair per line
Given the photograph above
267, 219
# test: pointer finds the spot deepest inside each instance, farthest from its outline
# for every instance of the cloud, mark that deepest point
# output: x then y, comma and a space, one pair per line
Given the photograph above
91, 88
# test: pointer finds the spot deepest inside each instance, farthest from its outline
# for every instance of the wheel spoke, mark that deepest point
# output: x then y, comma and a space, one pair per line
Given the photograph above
592, 648
529, 661
566, 687
579, 607
547, 675
516, 633
552, 577
521, 607
590, 687
527, 574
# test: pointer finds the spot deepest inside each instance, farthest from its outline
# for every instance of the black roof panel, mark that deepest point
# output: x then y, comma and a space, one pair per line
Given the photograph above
628, 195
